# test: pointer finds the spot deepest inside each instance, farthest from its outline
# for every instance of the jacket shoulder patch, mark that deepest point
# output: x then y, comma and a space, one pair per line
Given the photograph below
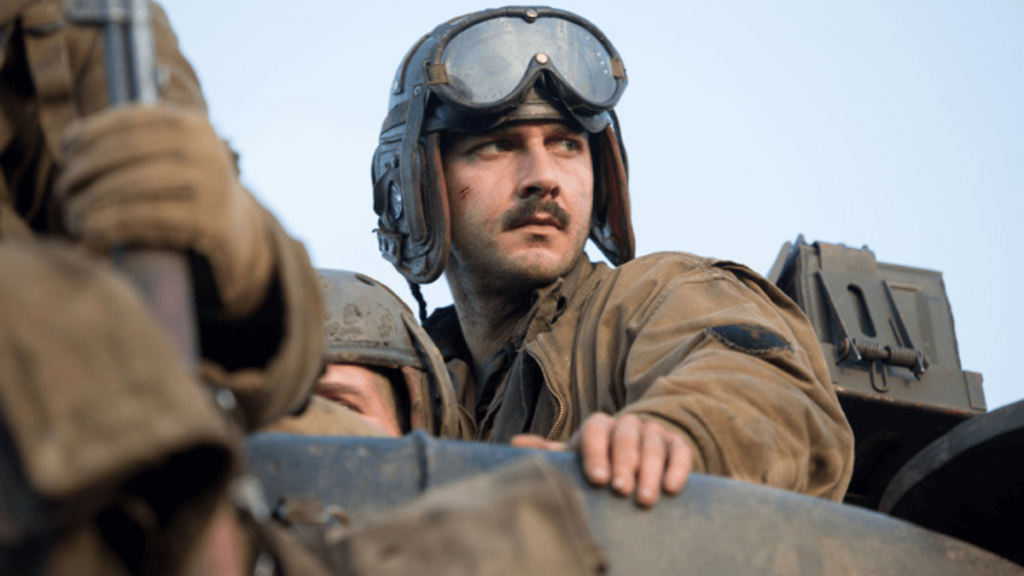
749, 339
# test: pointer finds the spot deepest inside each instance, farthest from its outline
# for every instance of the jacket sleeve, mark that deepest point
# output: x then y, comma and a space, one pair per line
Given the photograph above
272, 359
726, 359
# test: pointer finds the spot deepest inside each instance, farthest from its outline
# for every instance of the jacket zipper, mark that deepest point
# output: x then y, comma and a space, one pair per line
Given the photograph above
561, 401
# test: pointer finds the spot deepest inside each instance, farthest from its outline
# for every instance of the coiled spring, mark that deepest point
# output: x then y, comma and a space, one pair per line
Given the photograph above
894, 355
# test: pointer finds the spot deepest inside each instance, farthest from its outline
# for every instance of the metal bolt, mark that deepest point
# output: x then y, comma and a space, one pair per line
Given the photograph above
416, 91
226, 400
531, 14
542, 58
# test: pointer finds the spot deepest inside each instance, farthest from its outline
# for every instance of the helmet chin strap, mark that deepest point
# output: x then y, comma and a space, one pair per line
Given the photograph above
417, 293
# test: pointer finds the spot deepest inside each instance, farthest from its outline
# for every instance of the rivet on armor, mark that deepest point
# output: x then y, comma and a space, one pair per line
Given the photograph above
542, 58
531, 14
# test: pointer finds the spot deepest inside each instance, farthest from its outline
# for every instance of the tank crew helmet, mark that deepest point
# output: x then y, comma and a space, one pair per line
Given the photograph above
367, 324
473, 74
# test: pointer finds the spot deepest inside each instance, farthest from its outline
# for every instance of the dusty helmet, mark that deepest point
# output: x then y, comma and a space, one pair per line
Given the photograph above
366, 323
472, 74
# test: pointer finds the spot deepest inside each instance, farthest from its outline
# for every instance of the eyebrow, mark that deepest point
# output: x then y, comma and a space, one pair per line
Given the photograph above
342, 388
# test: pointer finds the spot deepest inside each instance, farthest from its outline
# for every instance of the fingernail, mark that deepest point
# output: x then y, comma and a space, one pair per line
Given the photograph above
647, 495
619, 484
599, 474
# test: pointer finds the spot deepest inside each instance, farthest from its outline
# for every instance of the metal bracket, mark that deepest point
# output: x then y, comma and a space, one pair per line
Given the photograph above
390, 245
880, 347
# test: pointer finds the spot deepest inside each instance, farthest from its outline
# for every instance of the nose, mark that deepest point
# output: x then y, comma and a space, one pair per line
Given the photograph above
538, 172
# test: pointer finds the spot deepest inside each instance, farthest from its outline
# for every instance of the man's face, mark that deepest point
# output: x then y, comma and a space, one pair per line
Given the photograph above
363, 390
520, 199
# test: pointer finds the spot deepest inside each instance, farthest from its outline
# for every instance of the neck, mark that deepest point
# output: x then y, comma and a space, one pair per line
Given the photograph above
488, 320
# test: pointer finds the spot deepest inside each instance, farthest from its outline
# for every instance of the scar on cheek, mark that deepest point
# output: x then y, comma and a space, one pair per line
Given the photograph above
461, 194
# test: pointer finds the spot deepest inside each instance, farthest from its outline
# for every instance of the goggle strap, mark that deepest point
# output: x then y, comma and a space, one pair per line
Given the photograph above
618, 69
395, 117
437, 74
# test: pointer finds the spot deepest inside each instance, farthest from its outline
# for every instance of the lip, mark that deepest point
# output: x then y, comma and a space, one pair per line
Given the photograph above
540, 219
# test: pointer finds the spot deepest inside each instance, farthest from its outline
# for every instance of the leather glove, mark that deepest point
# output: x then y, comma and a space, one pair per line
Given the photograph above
160, 177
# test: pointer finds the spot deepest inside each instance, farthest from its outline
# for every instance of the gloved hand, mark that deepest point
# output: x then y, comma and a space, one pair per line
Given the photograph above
160, 177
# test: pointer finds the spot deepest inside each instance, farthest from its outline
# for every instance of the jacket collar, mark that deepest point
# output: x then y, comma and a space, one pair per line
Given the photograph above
548, 305
549, 302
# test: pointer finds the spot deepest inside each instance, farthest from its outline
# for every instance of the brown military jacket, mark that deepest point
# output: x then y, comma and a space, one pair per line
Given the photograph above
708, 348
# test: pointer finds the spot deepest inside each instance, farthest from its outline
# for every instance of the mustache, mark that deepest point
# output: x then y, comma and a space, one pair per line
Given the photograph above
518, 215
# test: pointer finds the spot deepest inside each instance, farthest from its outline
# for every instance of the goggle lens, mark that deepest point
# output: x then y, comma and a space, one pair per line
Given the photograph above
487, 62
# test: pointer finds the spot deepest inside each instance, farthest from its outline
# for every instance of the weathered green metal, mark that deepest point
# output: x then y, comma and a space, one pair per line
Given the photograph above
969, 483
887, 333
715, 526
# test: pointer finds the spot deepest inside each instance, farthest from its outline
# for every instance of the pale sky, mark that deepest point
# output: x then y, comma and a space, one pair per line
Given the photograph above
893, 124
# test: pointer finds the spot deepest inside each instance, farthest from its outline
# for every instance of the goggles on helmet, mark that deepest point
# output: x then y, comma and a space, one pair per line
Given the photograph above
487, 62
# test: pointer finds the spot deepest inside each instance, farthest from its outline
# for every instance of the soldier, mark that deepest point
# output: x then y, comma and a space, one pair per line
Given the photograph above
384, 375
111, 455
154, 177
500, 153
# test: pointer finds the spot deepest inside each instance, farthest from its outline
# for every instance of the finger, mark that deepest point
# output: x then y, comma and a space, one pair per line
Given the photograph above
116, 123
593, 446
158, 140
652, 463
537, 443
625, 454
680, 464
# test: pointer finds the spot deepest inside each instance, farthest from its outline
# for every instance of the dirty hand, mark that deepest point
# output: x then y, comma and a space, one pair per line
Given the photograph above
628, 452
160, 177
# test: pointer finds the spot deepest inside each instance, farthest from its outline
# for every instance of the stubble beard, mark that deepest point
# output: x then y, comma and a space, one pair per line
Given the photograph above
504, 276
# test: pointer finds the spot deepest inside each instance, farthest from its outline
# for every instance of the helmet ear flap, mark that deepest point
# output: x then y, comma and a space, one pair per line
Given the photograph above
611, 227
439, 413
388, 201
411, 202
438, 212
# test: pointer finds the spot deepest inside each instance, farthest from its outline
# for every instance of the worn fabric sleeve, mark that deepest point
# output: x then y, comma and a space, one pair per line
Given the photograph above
269, 358
271, 361
725, 358
98, 416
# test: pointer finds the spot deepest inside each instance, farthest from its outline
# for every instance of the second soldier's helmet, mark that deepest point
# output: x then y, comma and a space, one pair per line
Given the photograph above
472, 74
367, 324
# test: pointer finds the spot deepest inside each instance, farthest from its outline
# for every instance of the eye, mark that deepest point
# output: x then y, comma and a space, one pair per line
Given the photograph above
341, 398
492, 147
569, 144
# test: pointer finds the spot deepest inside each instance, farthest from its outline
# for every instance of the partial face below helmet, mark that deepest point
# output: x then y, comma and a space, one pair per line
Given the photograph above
473, 74
367, 325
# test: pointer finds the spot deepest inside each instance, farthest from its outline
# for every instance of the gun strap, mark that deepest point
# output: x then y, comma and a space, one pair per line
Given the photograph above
49, 61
